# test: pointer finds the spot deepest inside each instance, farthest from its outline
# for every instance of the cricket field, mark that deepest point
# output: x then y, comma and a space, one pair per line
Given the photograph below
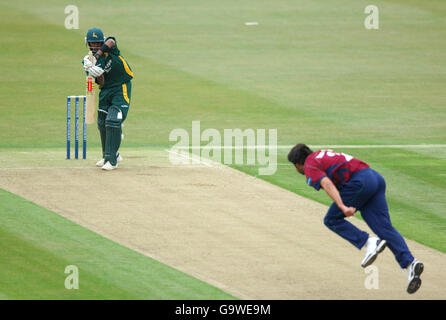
215, 228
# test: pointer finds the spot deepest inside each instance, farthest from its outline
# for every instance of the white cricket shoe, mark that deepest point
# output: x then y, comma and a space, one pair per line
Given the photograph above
415, 269
374, 246
108, 166
101, 162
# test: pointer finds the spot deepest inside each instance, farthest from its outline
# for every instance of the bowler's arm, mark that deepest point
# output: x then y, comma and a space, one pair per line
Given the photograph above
333, 192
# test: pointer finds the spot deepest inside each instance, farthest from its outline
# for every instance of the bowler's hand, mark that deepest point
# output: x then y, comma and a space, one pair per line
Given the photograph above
348, 211
333, 192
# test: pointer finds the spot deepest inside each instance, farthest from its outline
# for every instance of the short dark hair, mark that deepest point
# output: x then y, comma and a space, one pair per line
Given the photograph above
299, 153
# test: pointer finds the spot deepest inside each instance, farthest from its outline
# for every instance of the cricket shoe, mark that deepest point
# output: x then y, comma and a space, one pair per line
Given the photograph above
101, 162
415, 269
374, 246
108, 166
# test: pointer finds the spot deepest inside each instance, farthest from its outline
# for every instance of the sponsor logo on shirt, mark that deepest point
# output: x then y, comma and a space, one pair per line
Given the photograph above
108, 66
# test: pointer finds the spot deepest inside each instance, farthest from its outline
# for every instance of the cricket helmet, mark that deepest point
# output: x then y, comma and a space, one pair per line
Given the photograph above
94, 35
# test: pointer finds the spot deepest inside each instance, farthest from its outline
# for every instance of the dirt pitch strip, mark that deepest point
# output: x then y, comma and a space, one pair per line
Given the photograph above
246, 236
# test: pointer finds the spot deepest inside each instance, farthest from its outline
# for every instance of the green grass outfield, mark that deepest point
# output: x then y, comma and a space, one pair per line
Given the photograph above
309, 69
38, 245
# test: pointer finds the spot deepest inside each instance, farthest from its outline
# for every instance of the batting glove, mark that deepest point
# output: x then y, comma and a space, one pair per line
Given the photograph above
87, 63
95, 71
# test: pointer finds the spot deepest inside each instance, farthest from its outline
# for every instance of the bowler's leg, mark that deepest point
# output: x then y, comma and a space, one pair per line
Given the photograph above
335, 221
354, 193
376, 215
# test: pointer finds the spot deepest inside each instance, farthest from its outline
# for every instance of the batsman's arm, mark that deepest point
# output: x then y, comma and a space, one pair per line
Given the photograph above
105, 48
333, 192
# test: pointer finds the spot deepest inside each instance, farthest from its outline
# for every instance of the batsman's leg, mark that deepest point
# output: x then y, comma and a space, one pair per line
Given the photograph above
113, 134
120, 100
102, 114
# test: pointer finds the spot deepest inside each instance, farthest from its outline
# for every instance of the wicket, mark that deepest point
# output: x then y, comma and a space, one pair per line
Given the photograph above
76, 128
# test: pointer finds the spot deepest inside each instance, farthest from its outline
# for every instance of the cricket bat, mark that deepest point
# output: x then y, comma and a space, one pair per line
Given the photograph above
90, 108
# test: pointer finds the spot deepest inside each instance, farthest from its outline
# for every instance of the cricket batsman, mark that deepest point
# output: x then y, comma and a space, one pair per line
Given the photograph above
353, 185
113, 75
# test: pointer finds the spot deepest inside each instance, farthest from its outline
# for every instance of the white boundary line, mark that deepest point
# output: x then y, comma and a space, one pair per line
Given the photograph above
99, 169
377, 146
346, 146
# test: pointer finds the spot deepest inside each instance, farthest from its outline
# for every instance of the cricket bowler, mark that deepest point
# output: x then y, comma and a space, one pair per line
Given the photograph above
353, 185
113, 75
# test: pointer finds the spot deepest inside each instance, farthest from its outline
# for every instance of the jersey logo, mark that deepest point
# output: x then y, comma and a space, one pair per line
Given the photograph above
107, 67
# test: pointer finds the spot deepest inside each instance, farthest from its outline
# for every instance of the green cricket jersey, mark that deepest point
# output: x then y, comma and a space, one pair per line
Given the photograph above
116, 70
